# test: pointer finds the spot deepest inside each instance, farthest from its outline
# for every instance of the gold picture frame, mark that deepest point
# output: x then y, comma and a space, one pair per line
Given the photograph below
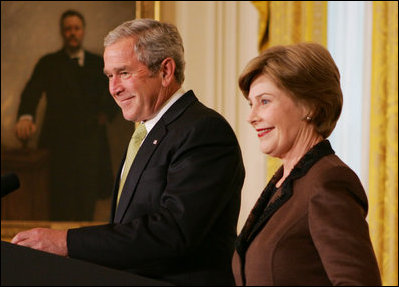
148, 9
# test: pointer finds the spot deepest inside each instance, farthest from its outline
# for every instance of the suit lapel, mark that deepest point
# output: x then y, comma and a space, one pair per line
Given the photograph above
116, 188
285, 194
66, 71
261, 213
144, 154
148, 147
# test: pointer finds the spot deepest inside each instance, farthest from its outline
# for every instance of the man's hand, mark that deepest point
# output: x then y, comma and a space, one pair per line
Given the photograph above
44, 239
25, 129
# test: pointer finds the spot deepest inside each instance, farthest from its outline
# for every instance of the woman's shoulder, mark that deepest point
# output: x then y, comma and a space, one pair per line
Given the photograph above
331, 176
331, 166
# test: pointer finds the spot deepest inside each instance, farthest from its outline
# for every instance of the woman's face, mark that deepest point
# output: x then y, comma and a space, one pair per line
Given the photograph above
278, 120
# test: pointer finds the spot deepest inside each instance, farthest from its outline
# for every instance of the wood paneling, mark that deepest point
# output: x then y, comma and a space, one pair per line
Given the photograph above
31, 200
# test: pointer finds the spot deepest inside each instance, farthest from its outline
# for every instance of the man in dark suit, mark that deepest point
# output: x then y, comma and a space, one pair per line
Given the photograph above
74, 130
174, 216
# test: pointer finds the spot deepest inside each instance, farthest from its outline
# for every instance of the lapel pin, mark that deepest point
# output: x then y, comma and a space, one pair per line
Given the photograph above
155, 142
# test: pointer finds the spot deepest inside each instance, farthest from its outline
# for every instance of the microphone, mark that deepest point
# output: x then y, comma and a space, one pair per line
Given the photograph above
9, 183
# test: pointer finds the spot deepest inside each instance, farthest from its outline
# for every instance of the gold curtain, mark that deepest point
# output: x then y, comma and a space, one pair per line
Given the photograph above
290, 22
383, 169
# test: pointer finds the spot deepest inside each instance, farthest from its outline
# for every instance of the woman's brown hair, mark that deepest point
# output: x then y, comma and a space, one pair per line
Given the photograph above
308, 73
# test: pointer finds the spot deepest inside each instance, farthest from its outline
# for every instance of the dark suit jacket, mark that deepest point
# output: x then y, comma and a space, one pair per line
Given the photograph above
80, 158
75, 97
177, 215
311, 231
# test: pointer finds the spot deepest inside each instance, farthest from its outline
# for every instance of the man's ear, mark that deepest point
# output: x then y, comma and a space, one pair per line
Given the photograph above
167, 71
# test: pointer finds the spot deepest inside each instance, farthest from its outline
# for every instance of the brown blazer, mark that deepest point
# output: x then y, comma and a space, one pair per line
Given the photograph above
311, 231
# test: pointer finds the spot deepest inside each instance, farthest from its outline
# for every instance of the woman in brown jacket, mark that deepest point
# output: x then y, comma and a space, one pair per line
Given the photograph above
308, 226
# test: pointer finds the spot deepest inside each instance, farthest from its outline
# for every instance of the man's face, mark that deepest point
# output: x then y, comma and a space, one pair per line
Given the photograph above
138, 93
72, 32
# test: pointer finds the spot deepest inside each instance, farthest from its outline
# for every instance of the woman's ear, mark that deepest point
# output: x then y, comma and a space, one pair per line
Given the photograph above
307, 112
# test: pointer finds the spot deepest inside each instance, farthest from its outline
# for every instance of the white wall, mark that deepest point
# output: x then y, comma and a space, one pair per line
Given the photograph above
220, 37
349, 41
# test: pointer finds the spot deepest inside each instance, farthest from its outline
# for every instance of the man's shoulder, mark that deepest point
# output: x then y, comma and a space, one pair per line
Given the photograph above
199, 110
188, 108
93, 60
190, 113
52, 59
53, 55
92, 55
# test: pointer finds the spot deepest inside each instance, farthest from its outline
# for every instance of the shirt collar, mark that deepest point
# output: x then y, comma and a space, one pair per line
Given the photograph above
78, 54
151, 123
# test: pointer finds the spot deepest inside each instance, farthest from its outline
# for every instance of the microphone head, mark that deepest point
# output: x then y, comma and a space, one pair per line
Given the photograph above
9, 183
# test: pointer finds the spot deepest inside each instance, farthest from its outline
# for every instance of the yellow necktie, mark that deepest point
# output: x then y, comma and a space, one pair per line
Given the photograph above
134, 145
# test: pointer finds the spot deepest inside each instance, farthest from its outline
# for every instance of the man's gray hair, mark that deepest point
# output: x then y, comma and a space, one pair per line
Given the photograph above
154, 41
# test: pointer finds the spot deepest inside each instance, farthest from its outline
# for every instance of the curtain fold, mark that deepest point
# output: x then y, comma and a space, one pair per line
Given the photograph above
263, 11
383, 166
290, 22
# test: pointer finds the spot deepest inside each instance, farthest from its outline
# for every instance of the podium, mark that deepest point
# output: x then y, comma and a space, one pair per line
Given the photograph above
25, 266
